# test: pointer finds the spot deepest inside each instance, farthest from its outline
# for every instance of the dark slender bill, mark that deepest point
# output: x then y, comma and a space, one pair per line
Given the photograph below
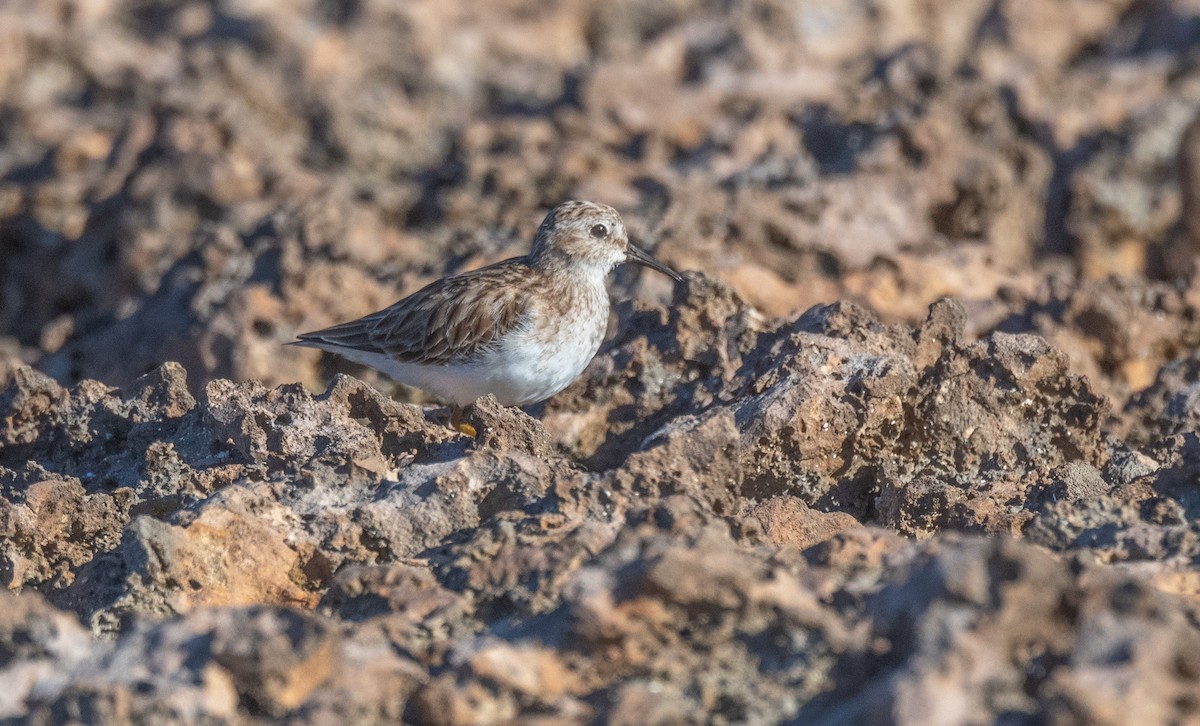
639, 255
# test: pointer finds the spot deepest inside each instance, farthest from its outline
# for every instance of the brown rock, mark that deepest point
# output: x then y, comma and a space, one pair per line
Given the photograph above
225, 556
56, 529
182, 182
787, 521
276, 658
26, 404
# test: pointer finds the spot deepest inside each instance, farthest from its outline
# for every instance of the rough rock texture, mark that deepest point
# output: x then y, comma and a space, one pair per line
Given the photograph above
716, 544
916, 441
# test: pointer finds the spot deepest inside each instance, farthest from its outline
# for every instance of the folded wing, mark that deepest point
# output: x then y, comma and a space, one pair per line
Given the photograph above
451, 320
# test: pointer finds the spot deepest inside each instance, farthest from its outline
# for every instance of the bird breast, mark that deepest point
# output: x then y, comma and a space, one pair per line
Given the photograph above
571, 333
556, 341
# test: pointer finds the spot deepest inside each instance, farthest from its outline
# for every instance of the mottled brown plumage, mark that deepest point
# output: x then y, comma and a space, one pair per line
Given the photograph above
521, 329
449, 320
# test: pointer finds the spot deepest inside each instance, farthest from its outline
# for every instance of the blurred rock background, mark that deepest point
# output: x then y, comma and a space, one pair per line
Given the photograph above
771, 489
195, 181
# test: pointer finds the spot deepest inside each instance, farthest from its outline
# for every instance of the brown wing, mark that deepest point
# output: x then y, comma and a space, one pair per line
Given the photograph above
449, 320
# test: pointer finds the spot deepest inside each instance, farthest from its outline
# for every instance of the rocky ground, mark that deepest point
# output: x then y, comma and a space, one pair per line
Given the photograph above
917, 441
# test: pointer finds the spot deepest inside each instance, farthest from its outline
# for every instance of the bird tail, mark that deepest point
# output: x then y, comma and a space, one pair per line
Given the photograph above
355, 334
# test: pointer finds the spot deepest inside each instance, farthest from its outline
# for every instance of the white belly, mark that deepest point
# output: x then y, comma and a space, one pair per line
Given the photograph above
527, 369
530, 365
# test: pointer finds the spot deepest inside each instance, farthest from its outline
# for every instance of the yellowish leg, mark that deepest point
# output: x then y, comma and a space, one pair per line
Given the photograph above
458, 421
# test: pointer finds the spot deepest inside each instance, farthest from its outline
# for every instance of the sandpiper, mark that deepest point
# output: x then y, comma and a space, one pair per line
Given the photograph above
521, 329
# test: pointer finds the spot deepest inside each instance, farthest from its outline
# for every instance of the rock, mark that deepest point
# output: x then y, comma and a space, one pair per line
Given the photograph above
217, 664
57, 528
789, 521
27, 403
1024, 603
276, 658
914, 440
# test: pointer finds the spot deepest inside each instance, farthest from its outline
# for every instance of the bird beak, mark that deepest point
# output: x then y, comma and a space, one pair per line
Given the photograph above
639, 255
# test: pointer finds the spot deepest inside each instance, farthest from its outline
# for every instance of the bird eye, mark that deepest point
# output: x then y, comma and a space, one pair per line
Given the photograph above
599, 231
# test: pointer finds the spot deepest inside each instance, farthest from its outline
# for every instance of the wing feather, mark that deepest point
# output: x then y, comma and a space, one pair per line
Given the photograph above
452, 319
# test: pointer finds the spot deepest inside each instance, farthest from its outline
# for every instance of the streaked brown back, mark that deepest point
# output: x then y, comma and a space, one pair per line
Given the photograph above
450, 320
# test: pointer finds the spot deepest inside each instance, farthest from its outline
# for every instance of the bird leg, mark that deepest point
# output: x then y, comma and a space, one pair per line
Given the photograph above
459, 422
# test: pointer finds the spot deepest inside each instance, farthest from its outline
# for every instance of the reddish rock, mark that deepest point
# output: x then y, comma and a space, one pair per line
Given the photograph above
939, 280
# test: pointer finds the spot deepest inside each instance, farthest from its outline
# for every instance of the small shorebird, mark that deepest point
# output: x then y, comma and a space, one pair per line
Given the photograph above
521, 329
